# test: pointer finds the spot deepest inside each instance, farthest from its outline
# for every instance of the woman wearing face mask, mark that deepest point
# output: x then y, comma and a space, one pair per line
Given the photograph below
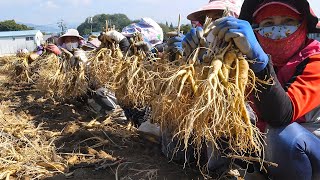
289, 110
71, 40
70, 43
214, 9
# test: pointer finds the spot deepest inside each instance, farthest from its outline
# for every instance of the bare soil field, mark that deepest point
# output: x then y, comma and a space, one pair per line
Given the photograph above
93, 148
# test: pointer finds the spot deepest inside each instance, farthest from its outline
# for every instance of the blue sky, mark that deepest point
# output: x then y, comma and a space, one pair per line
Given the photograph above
75, 11
50, 11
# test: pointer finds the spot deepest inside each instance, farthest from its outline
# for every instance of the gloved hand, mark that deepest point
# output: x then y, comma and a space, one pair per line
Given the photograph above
67, 53
81, 55
174, 46
115, 37
240, 31
194, 39
53, 48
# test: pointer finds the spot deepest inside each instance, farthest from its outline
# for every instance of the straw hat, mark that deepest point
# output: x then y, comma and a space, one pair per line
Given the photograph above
92, 43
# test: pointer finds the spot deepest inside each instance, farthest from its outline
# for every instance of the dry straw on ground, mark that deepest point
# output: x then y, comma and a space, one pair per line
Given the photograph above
25, 150
16, 68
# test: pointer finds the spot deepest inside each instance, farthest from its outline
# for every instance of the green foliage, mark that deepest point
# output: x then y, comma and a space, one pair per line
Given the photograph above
120, 21
99, 22
171, 26
165, 29
11, 25
135, 21
185, 28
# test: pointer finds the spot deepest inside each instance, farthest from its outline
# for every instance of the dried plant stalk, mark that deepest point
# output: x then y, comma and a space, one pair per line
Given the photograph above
62, 78
26, 152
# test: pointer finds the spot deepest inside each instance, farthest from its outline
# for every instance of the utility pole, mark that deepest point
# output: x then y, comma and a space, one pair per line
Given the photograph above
62, 25
91, 18
90, 21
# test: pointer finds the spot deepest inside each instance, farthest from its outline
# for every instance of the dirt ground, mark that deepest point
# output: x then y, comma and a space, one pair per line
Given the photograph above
127, 155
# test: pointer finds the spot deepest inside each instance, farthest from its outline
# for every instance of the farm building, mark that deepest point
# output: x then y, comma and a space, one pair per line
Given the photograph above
12, 41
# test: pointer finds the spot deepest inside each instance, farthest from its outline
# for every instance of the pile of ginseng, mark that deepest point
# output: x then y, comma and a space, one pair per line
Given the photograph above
133, 78
206, 103
200, 104
17, 68
26, 151
62, 77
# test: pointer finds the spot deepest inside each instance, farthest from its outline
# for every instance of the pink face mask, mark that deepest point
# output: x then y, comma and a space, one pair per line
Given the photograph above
282, 49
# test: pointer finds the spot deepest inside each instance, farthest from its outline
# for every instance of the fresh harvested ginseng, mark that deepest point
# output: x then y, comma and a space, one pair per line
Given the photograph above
205, 103
63, 77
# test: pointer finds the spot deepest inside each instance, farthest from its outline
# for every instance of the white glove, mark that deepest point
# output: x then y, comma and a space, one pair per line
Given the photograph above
81, 55
114, 36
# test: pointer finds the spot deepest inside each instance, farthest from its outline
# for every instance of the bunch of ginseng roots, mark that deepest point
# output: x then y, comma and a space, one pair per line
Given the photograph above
18, 68
26, 151
133, 78
62, 77
200, 104
68, 77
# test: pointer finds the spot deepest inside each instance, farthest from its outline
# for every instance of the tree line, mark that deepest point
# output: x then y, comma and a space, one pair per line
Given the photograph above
11, 25
97, 22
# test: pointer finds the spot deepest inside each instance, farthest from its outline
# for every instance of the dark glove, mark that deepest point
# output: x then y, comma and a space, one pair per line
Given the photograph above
159, 48
174, 46
240, 31
194, 39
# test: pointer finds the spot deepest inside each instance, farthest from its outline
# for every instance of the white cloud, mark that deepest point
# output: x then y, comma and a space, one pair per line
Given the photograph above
49, 5
81, 2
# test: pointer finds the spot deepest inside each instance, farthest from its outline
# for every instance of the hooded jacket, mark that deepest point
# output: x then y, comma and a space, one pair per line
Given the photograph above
294, 95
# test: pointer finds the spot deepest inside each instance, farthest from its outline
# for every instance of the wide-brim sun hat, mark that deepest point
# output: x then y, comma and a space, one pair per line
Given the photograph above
233, 6
93, 43
70, 33
251, 7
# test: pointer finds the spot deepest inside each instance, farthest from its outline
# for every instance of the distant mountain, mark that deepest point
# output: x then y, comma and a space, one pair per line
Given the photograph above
44, 28
52, 28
